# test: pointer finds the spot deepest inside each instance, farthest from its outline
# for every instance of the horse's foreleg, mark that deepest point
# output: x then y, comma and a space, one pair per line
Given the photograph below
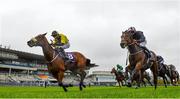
60, 78
144, 83
178, 79
155, 73
148, 79
82, 74
119, 83
139, 72
139, 78
129, 78
164, 80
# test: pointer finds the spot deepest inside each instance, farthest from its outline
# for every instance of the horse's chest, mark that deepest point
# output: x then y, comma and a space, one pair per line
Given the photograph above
52, 69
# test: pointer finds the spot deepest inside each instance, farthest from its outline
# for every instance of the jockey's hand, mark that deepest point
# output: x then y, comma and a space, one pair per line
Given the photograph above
135, 41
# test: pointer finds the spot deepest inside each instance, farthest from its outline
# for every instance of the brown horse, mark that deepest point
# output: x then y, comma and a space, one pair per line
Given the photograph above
173, 75
138, 59
56, 64
119, 77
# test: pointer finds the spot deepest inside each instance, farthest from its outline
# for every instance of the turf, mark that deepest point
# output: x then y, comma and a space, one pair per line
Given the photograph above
89, 92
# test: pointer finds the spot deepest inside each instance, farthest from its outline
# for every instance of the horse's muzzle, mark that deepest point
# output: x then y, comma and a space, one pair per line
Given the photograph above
122, 45
29, 43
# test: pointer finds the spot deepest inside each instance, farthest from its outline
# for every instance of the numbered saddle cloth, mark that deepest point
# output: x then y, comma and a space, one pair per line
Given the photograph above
70, 56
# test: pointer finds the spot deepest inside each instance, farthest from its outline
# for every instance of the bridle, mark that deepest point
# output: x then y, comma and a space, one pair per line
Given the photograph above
54, 57
132, 43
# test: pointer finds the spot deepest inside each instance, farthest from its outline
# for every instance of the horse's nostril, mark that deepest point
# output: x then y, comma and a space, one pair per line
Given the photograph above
122, 45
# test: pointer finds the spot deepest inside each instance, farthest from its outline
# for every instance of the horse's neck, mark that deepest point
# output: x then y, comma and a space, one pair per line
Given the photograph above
116, 73
133, 48
47, 50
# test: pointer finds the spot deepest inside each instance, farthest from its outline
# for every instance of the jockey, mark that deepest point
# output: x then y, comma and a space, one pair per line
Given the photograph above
119, 69
60, 43
160, 60
139, 37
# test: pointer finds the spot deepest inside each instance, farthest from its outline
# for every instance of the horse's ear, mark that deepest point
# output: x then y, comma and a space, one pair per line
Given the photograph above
45, 34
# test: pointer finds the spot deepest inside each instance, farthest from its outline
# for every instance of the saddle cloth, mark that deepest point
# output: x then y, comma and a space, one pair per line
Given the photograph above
71, 56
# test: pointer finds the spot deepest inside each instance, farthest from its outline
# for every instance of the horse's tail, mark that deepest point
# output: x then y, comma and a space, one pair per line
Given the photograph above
89, 64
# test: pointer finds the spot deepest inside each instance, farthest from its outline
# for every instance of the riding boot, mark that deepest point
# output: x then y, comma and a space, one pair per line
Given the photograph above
62, 52
65, 57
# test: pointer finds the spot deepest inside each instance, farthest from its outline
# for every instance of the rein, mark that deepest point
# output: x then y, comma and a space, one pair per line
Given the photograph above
136, 52
54, 57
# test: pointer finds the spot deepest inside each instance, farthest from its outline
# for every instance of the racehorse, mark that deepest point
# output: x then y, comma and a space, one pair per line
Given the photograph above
136, 77
119, 77
56, 64
138, 61
162, 72
173, 75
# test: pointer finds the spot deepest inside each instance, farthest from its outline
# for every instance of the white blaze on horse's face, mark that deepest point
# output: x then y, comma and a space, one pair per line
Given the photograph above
34, 39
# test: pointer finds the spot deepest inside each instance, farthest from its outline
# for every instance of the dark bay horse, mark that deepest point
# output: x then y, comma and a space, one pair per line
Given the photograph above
136, 76
173, 75
162, 72
138, 58
119, 77
56, 64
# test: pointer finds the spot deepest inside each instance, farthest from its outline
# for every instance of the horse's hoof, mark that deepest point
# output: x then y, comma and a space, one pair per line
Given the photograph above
65, 90
84, 86
80, 88
128, 84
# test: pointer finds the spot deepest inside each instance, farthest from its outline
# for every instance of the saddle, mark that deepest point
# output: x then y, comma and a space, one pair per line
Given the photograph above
67, 56
149, 59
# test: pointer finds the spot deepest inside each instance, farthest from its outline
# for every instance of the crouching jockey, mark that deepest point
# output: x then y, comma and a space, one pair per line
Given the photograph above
139, 37
60, 43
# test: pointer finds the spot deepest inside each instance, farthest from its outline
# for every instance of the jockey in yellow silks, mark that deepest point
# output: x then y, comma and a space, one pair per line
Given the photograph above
60, 43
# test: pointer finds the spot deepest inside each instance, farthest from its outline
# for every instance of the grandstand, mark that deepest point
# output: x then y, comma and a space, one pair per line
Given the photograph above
22, 68
104, 78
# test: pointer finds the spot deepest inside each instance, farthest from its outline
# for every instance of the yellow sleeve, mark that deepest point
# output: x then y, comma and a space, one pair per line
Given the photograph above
64, 39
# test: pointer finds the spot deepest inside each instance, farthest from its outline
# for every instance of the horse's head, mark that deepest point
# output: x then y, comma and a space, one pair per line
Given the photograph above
126, 39
113, 70
37, 41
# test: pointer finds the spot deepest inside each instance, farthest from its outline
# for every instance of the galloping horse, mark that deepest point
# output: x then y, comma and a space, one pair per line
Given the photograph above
173, 75
119, 77
56, 64
162, 72
138, 59
136, 77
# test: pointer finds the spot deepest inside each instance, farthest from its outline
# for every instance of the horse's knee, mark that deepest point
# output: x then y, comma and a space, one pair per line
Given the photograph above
60, 84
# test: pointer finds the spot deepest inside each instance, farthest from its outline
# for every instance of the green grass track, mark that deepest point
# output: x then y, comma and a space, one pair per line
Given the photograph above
89, 92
